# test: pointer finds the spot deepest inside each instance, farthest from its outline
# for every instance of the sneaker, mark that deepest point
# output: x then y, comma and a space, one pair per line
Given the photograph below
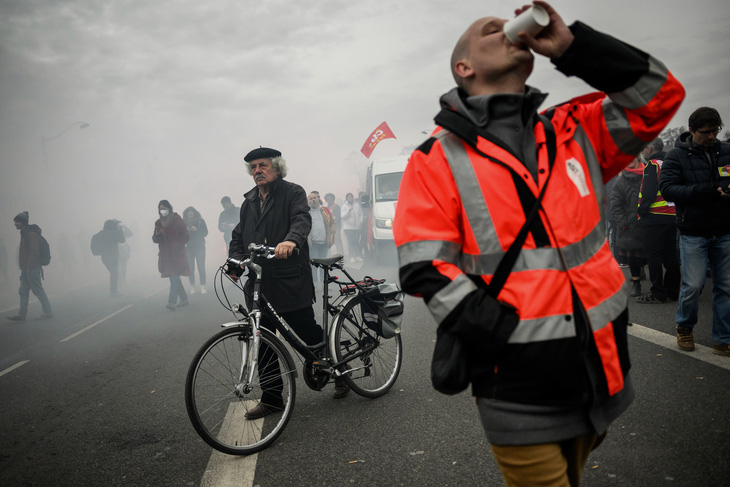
16, 318
685, 339
721, 349
182, 303
203, 290
170, 306
352, 260
636, 289
650, 299
192, 290
45, 316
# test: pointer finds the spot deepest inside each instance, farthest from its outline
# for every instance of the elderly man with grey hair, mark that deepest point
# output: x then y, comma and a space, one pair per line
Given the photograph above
276, 213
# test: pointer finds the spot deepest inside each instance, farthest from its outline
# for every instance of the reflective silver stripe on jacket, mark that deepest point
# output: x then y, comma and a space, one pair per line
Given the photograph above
449, 297
428, 250
594, 167
471, 194
620, 129
542, 329
645, 89
609, 309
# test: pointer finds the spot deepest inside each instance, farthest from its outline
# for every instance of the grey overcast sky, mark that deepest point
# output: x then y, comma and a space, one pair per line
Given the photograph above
177, 91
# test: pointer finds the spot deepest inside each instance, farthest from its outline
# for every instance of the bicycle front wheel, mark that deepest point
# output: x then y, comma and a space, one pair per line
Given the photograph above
218, 398
374, 361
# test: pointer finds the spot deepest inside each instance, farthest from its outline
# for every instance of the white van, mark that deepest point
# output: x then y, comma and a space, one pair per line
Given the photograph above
383, 183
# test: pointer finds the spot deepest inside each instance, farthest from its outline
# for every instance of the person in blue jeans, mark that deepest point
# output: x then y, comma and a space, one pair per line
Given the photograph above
696, 177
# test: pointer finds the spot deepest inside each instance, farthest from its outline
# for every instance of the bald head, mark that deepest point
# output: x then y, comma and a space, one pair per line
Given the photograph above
484, 61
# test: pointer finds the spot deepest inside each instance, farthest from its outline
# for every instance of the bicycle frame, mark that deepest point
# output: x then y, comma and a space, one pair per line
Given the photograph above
260, 305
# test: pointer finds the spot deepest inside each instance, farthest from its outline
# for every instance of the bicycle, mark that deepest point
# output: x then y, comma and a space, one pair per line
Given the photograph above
233, 369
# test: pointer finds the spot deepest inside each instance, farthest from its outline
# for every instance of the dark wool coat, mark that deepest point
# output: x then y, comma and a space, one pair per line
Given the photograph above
171, 238
287, 283
29, 251
624, 205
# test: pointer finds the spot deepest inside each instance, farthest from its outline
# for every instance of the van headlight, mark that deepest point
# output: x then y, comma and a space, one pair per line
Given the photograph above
386, 223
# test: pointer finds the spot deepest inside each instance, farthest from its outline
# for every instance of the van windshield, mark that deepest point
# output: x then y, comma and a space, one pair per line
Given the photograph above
386, 186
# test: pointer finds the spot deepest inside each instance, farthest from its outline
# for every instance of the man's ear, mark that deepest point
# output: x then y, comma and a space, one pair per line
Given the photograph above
463, 68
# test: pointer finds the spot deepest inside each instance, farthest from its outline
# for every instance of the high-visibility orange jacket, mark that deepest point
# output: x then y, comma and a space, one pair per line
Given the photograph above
459, 210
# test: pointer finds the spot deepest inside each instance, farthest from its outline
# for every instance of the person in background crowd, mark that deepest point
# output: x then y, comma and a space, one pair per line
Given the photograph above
322, 235
696, 177
336, 211
351, 217
31, 272
551, 370
228, 219
658, 230
624, 202
109, 239
195, 248
171, 235
125, 252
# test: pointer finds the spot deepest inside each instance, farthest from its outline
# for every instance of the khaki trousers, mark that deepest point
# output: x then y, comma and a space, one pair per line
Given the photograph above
549, 465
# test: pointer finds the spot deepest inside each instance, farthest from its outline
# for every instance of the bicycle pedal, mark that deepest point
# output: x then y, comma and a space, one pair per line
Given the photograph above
321, 364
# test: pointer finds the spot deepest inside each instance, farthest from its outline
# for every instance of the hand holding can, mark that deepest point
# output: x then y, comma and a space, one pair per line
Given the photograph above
532, 21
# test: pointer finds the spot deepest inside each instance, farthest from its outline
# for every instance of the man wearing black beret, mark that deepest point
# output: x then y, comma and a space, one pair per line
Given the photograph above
276, 213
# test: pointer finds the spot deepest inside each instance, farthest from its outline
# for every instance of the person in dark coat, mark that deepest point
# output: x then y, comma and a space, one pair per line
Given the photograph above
171, 235
195, 248
276, 213
228, 219
110, 238
696, 177
624, 205
31, 272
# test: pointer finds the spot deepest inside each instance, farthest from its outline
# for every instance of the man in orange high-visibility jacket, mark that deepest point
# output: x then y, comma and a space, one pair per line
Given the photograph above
658, 230
549, 383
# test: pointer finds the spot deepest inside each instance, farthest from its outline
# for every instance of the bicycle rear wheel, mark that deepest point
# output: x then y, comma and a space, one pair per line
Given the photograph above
217, 402
377, 361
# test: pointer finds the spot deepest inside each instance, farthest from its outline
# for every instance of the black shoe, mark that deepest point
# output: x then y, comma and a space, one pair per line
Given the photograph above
263, 410
341, 388
16, 318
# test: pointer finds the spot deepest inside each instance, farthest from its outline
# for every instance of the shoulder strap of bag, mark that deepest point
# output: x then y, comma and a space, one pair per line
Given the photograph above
508, 261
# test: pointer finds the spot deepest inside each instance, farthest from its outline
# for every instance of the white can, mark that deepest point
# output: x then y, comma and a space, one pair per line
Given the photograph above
532, 21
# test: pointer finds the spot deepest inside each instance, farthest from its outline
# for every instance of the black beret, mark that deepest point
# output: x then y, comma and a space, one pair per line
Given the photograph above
261, 153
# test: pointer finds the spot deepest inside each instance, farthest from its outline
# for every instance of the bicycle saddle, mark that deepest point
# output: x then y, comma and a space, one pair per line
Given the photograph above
328, 261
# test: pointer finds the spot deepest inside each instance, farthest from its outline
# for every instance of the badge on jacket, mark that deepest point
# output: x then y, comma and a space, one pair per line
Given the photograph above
577, 175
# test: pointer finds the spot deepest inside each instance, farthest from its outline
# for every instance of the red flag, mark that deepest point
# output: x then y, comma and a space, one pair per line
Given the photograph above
380, 133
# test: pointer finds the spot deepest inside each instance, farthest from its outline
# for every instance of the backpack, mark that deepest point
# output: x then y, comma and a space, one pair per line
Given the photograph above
97, 244
44, 255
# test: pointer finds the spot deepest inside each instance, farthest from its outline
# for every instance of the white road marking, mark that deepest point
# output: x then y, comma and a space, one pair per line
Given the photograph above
96, 323
152, 294
10, 369
665, 340
231, 470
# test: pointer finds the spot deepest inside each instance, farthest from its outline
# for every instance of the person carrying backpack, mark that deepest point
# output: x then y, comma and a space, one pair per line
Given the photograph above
33, 253
106, 244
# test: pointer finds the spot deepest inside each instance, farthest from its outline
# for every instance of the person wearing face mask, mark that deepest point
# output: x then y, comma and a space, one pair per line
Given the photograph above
171, 235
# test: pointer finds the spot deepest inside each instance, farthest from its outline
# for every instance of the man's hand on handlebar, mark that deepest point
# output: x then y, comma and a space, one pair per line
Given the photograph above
284, 249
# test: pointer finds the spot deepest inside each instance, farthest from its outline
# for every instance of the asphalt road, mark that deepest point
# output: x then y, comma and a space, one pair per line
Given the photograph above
95, 397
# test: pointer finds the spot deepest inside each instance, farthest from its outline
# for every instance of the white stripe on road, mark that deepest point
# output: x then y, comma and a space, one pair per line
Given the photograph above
150, 295
230, 470
96, 323
10, 369
665, 340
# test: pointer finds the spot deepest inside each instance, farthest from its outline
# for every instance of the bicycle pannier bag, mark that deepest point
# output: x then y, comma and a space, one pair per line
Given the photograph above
382, 309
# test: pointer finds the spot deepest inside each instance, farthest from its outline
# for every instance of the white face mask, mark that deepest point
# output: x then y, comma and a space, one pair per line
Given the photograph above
164, 212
